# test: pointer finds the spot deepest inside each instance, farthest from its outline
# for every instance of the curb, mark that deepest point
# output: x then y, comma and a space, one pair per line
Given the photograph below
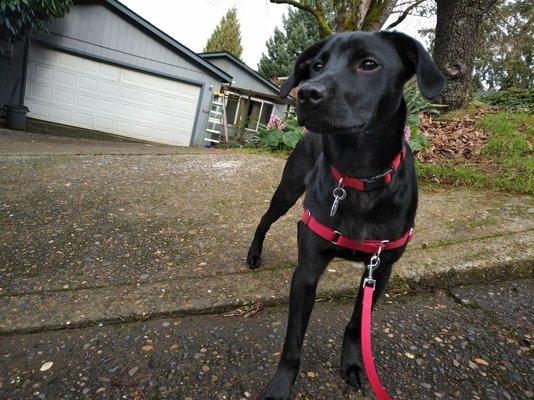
486, 260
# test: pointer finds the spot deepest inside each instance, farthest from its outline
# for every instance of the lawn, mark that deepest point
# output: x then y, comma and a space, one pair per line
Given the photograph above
505, 162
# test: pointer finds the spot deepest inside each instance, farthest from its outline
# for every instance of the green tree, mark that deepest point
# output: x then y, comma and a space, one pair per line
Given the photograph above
19, 17
505, 58
226, 36
299, 31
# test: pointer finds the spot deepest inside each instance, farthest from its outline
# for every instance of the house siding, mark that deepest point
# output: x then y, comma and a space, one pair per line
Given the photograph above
98, 31
242, 79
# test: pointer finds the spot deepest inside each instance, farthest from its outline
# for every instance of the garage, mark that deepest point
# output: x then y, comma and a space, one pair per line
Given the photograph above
102, 67
77, 91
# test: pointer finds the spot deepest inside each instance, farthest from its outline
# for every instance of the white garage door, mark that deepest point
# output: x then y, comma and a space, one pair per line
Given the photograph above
76, 91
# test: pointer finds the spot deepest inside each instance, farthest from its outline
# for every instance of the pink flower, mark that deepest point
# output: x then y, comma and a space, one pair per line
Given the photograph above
407, 133
273, 120
276, 122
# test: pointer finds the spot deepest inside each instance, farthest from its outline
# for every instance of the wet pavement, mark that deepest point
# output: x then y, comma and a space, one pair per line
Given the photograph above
97, 231
472, 343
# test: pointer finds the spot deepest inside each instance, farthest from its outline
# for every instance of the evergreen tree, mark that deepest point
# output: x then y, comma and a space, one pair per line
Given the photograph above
300, 31
226, 36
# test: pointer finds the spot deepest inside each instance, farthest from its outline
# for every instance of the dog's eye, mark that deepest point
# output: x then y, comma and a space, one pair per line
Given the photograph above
317, 66
368, 65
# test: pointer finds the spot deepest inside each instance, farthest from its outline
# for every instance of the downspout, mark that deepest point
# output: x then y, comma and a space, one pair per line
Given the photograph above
25, 61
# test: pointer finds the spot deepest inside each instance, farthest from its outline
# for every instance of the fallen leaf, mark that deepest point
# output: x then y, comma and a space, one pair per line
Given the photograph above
46, 366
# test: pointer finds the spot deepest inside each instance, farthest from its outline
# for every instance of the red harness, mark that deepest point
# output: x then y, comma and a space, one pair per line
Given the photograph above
366, 246
374, 247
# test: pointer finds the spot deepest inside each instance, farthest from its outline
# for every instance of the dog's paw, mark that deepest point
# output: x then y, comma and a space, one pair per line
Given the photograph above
354, 376
279, 388
253, 260
275, 394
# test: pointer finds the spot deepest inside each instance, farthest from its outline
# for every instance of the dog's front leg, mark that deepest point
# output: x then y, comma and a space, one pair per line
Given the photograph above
312, 263
351, 356
285, 196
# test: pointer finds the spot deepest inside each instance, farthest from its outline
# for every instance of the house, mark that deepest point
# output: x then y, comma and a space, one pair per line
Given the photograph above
103, 67
250, 99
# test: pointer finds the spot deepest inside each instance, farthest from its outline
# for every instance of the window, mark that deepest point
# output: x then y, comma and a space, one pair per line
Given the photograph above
252, 111
266, 113
232, 105
253, 115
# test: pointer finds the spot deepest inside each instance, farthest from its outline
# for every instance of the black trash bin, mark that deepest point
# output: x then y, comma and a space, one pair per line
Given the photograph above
16, 116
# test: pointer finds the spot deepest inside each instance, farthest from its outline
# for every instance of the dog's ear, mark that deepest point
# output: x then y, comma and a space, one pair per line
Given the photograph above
429, 78
301, 70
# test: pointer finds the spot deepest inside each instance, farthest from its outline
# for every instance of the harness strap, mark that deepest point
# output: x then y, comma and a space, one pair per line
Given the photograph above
367, 246
363, 184
367, 351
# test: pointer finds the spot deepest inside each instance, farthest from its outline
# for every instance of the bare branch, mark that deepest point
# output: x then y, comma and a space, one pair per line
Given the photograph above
403, 16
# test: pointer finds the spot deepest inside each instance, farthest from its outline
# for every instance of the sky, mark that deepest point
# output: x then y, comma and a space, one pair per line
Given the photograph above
191, 22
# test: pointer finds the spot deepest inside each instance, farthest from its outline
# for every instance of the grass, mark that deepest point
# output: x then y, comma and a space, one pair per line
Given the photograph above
509, 149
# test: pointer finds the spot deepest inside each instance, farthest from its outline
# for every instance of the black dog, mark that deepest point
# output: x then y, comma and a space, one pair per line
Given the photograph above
351, 103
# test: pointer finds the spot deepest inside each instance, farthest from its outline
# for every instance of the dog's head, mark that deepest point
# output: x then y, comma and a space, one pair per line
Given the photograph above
351, 79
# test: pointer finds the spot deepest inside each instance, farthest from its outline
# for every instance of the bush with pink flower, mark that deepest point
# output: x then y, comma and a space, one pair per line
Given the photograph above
280, 134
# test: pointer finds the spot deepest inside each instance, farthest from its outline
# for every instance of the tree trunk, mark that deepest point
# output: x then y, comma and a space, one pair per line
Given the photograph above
457, 34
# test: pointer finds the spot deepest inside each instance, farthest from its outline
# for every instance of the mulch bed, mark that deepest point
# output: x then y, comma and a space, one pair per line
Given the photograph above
456, 141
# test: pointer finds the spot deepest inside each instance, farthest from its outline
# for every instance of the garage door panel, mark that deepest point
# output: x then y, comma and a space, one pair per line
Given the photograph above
58, 58
145, 115
148, 97
108, 87
86, 102
65, 77
128, 93
44, 73
105, 107
124, 110
88, 83
62, 114
40, 110
84, 120
82, 92
40, 92
103, 124
110, 71
64, 97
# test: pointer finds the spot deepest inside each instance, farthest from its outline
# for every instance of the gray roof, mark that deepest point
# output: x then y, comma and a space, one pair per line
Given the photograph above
242, 65
183, 50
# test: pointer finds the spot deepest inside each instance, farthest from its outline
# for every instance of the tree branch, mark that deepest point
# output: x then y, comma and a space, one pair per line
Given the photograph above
294, 3
403, 16
318, 13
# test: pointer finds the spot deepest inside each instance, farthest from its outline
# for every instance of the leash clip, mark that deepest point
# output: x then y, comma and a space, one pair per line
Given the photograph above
374, 262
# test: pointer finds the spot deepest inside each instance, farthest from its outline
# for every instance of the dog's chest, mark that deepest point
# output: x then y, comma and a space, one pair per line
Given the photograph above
360, 214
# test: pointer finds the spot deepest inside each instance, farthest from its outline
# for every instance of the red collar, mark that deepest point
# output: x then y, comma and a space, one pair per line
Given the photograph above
374, 182
367, 246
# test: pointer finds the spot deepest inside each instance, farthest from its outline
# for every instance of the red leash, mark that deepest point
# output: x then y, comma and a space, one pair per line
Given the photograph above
373, 247
367, 351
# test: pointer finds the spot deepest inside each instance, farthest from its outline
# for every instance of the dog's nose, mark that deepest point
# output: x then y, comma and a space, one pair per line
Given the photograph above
311, 94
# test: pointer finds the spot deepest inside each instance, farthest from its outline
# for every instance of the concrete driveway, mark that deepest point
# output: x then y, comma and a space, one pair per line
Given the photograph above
103, 232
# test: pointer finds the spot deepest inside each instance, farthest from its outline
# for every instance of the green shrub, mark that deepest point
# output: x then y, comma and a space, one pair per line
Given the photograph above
416, 105
511, 99
280, 134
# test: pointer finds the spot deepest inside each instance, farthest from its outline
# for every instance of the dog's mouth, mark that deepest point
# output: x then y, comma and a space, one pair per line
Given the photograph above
319, 124
332, 129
